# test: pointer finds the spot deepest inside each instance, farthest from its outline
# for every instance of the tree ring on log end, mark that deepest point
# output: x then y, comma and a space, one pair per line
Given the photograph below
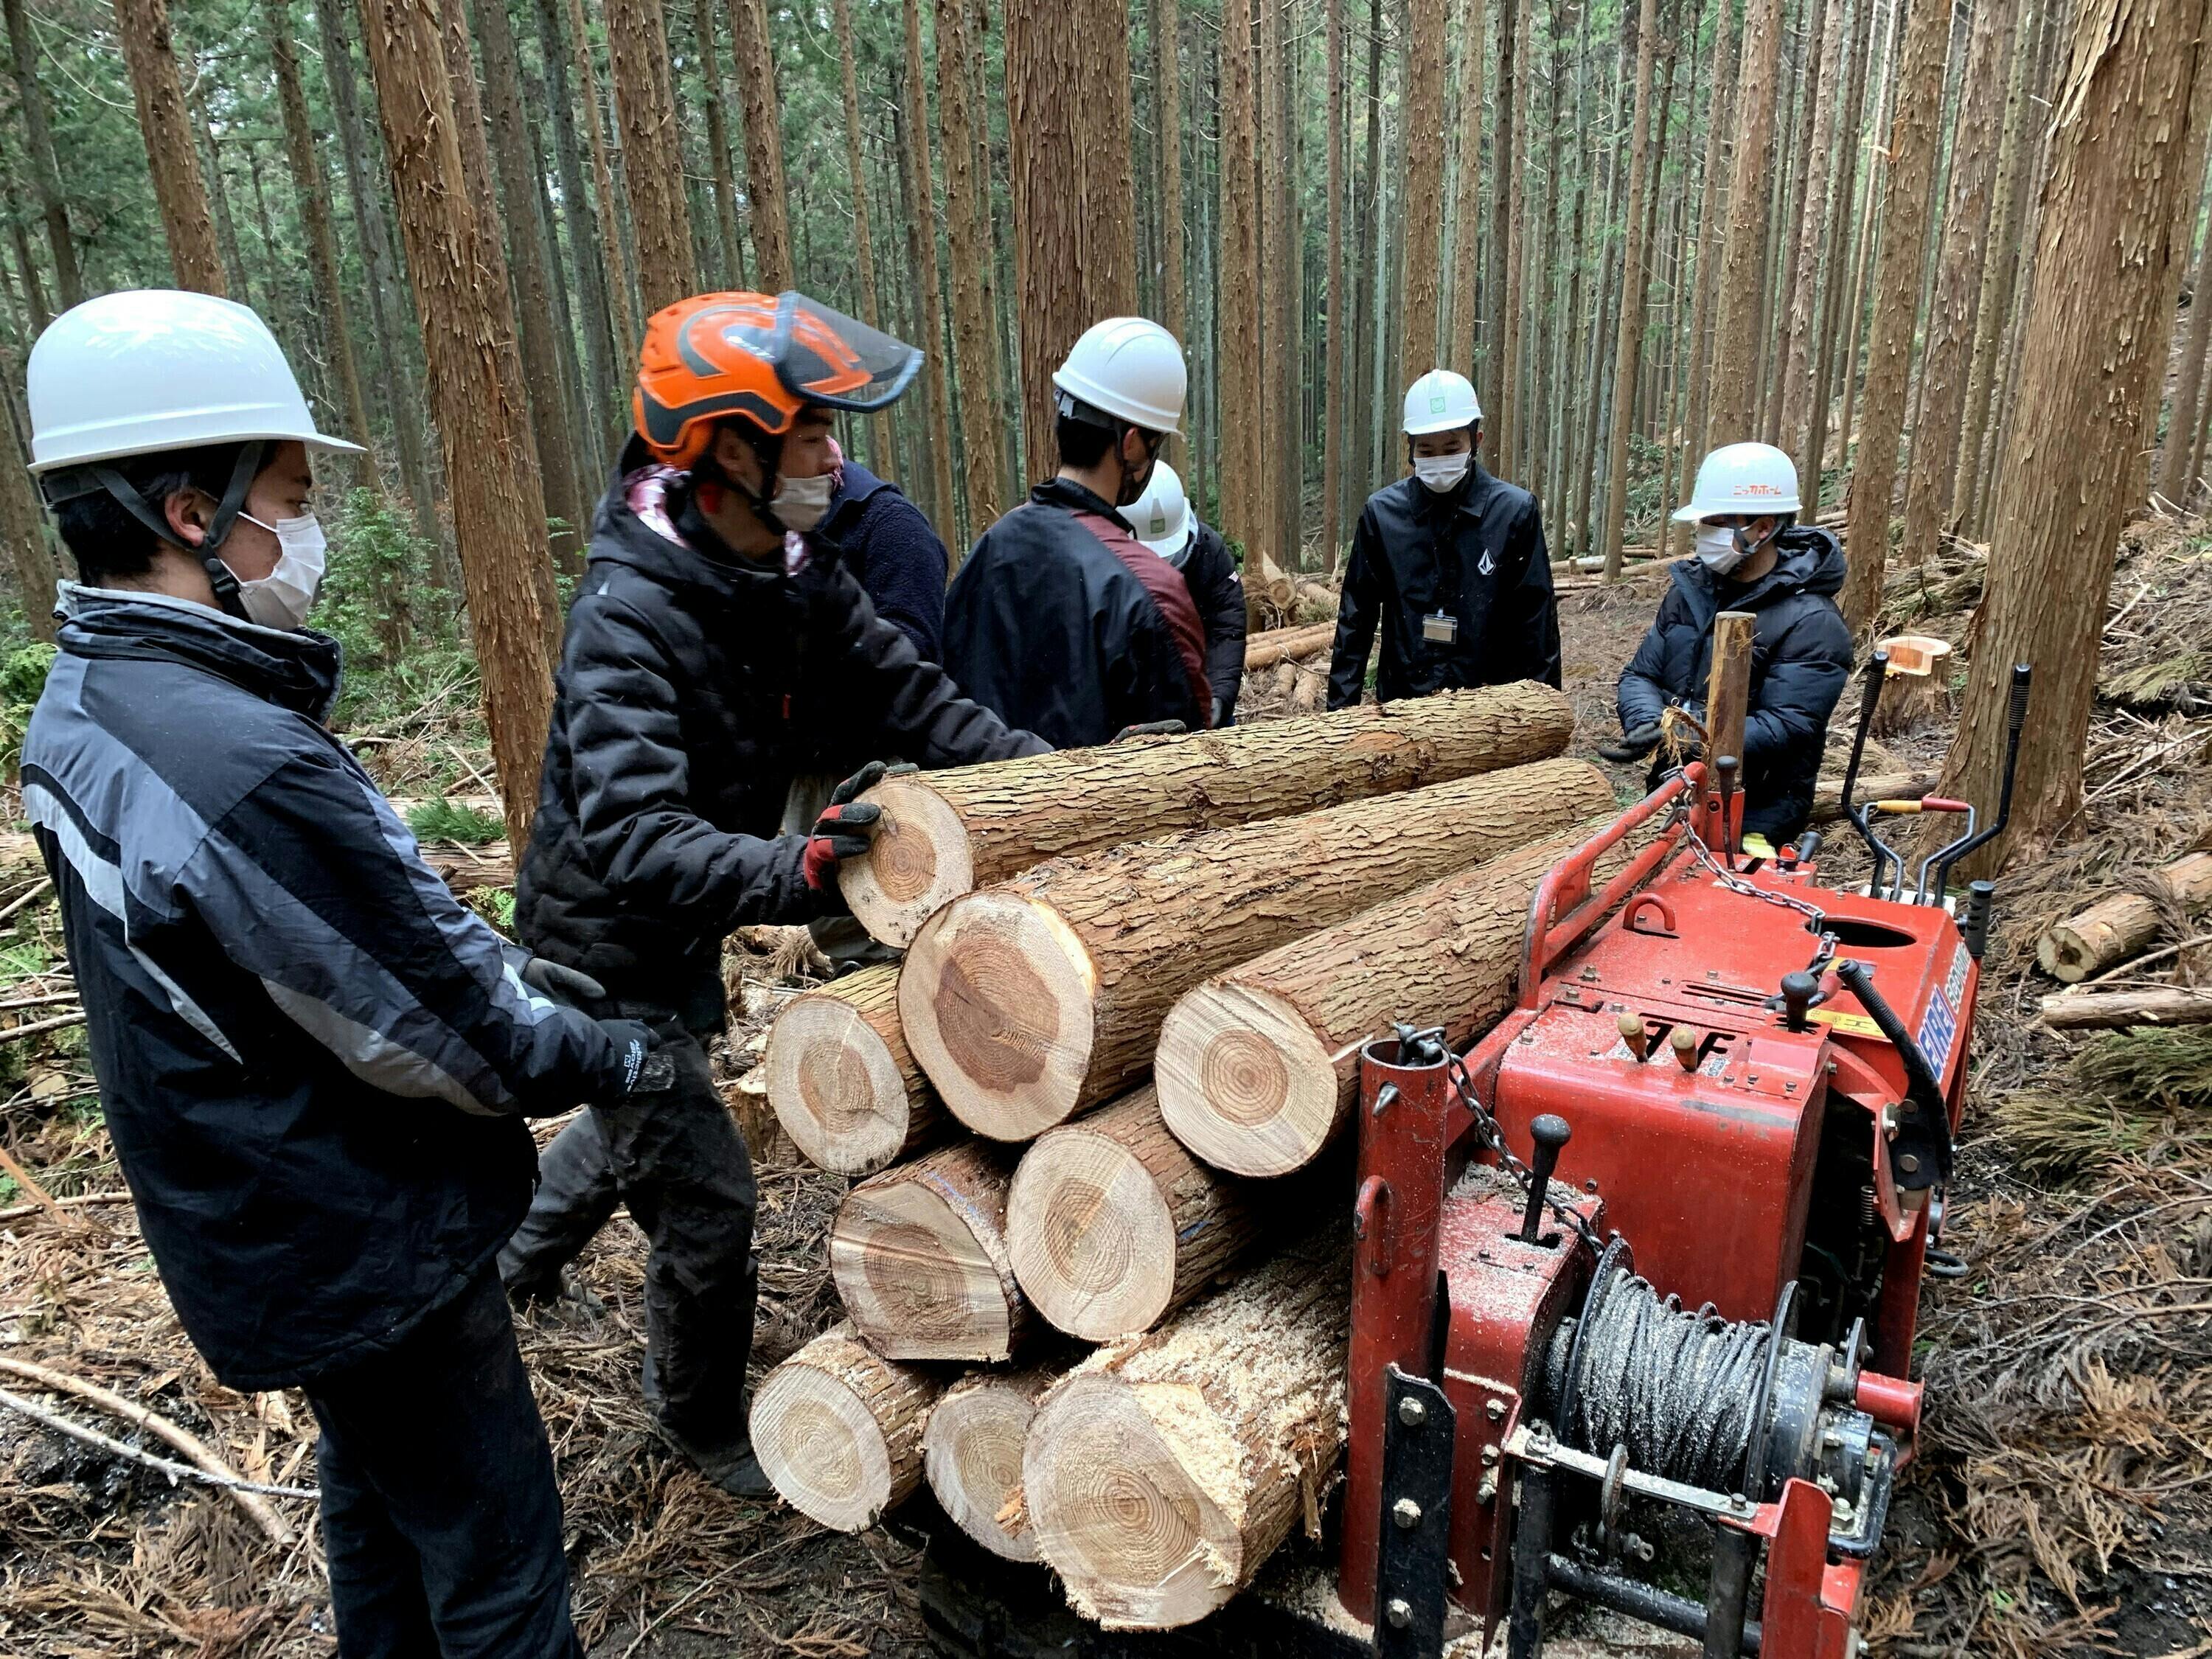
1243, 1082
836, 1088
995, 1000
918, 862
1092, 1240
821, 1449
972, 1452
1119, 1511
916, 1280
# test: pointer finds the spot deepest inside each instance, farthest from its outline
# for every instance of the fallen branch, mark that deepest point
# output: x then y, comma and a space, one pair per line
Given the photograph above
15, 1033
2105, 1011
44, 884
247, 1494
23, 1212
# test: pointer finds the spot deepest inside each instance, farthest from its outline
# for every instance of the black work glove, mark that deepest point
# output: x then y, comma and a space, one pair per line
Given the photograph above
1152, 729
570, 984
846, 828
647, 1069
1633, 745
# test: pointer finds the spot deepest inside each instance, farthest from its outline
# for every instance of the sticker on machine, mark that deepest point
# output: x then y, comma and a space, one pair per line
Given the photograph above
1954, 982
1938, 1027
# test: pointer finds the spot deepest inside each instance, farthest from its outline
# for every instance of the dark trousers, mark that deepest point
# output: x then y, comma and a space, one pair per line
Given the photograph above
441, 1521
680, 1166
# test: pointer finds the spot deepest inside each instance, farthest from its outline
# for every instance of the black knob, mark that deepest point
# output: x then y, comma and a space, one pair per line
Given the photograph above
1798, 990
1550, 1133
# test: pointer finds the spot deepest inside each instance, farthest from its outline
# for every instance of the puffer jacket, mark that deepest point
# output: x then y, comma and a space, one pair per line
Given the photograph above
313, 1061
1475, 554
1801, 655
894, 553
1217, 590
695, 685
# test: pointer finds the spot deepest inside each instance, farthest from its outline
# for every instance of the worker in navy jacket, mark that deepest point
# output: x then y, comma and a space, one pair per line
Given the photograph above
888, 545
1751, 555
314, 1062
1450, 562
1060, 619
719, 648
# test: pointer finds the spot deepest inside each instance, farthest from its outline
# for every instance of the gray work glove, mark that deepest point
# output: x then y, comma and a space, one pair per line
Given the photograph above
1152, 729
1633, 745
570, 984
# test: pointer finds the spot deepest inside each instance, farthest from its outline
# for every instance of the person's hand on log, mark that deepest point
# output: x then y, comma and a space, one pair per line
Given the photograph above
846, 828
1152, 729
647, 1069
1633, 745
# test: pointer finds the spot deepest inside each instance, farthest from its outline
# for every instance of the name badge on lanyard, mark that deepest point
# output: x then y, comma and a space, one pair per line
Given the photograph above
1440, 628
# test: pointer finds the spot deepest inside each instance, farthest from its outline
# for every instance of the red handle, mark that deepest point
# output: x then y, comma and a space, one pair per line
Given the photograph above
1566, 887
1943, 804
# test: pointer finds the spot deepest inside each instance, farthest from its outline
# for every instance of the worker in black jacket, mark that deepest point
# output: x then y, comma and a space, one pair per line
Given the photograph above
1164, 523
314, 1062
1751, 555
718, 647
1451, 562
1060, 619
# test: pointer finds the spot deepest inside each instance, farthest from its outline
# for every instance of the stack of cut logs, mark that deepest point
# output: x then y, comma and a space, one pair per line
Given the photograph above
1103, 1100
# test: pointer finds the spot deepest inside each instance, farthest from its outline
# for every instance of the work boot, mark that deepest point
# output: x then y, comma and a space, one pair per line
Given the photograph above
729, 1465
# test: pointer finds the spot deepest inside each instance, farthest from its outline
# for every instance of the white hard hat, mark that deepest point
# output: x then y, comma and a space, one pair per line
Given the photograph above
1132, 368
146, 370
1440, 401
1753, 479
1162, 513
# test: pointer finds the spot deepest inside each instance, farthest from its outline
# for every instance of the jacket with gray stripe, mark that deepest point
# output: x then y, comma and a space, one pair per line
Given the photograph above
312, 1061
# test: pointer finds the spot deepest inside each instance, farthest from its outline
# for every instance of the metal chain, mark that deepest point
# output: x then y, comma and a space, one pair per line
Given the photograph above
1823, 955
1492, 1136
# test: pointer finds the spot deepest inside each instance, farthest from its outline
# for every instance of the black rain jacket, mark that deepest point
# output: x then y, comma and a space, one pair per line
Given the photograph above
314, 1060
1801, 655
1047, 627
1209, 572
1475, 553
693, 689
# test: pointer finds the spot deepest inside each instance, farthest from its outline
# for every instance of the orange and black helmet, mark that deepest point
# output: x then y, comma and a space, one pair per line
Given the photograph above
757, 358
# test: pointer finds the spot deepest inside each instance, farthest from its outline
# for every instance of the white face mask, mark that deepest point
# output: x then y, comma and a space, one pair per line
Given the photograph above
1717, 549
1442, 473
799, 504
283, 597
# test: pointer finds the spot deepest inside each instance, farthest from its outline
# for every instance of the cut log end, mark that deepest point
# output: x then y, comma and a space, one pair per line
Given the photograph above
972, 1451
996, 997
1139, 1540
1243, 1081
1092, 1239
836, 1087
2064, 955
917, 1256
919, 861
822, 1448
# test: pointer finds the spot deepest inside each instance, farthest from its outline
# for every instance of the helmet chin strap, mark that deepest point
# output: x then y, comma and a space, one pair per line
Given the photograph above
242, 474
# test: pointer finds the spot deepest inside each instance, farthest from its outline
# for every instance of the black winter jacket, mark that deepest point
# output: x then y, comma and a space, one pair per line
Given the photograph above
1477, 554
312, 1061
1047, 627
1219, 592
1801, 655
889, 547
692, 690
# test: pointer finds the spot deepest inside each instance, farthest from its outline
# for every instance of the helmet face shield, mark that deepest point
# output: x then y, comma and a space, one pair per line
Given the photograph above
825, 357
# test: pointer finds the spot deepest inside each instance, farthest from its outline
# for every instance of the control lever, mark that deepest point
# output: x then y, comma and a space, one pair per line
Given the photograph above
1550, 1133
1798, 990
1877, 669
1923, 1133
2015, 719
1981, 901
1631, 1027
1725, 767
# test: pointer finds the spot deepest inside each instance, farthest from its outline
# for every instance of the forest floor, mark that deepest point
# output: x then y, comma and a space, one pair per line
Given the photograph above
2062, 1503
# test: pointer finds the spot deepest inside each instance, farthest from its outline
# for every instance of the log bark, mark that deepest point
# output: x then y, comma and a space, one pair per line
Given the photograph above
763, 124
966, 200
1161, 1472
844, 1086
652, 151
2122, 925
946, 833
972, 1453
1258, 1067
1113, 1225
1031, 1001
919, 1256
1279, 644
2106, 1010
838, 1430
1828, 793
